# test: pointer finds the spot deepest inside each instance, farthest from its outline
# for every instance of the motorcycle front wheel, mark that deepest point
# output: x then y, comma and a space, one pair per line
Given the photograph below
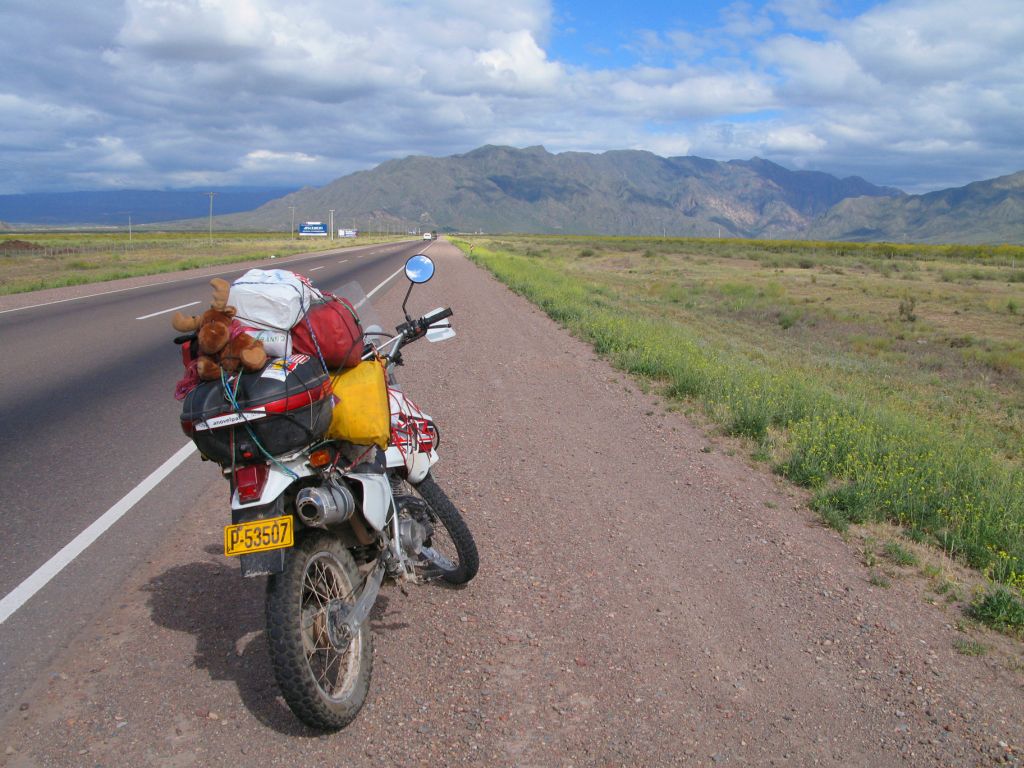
453, 541
324, 681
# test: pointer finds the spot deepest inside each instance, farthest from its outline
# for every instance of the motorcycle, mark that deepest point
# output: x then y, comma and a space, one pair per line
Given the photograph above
328, 521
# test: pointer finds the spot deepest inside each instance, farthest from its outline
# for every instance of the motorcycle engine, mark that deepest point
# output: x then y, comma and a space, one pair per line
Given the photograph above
414, 528
412, 535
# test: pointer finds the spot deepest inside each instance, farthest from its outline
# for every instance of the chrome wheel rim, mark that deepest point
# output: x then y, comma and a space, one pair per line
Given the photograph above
333, 670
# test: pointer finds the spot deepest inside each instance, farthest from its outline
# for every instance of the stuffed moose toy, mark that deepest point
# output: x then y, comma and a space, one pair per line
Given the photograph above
222, 344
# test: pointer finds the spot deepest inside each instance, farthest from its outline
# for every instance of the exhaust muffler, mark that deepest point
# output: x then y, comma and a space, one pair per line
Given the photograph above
322, 506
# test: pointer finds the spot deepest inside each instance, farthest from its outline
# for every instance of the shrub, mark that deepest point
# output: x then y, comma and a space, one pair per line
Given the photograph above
906, 309
999, 609
788, 318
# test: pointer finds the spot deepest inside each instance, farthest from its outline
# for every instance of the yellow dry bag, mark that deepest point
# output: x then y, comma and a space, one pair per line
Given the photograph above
362, 414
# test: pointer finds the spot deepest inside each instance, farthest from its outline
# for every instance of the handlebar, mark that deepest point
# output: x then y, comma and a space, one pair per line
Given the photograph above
407, 332
429, 320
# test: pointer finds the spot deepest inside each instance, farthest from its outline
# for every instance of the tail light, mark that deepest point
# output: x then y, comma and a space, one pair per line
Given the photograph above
250, 481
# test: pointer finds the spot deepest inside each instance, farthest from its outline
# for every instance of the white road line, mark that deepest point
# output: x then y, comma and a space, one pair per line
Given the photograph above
165, 311
343, 261
21, 594
285, 260
314, 269
386, 281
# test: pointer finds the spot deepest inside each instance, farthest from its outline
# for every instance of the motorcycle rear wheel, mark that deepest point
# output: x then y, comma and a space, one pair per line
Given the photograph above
325, 687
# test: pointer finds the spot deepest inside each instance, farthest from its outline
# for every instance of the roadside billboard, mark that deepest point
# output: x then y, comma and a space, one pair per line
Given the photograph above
312, 229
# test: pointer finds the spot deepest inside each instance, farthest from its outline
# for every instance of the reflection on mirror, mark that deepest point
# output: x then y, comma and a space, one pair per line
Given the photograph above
419, 268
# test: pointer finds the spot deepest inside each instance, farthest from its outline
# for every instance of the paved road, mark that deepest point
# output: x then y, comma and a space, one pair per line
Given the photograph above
87, 414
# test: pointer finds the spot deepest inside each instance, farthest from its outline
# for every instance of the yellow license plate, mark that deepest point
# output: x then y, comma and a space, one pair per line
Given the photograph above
259, 535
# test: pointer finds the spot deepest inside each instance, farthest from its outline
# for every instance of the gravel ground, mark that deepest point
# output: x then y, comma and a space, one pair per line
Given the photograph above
646, 597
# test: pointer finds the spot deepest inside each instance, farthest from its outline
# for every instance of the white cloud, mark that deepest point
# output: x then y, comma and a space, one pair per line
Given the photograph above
111, 153
250, 91
262, 158
938, 40
518, 64
793, 139
666, 94
812, 72
741, 20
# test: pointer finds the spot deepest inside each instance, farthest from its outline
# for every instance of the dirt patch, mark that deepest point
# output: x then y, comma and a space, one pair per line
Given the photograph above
19, 246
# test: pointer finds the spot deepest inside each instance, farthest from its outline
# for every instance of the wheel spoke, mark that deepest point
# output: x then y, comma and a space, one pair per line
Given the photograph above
323, 583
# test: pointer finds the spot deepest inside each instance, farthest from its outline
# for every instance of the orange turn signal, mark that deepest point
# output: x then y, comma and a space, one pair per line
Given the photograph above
320, 458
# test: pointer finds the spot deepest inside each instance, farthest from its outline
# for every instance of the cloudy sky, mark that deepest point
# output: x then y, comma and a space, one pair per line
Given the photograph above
108, 94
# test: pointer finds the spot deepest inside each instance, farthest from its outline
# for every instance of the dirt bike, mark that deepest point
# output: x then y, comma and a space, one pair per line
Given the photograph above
327, 520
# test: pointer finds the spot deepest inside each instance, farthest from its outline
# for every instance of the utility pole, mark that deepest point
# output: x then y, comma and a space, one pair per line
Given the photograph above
129, 230
292, 209
211, 194
332, 223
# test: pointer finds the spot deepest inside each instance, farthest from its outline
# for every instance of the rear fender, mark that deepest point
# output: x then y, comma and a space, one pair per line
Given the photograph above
270, 504
282, 475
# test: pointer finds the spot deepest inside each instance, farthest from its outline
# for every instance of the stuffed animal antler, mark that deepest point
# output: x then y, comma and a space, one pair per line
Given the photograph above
221, 289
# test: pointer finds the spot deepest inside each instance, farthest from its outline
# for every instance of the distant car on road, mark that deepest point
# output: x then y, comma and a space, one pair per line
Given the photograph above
428, 236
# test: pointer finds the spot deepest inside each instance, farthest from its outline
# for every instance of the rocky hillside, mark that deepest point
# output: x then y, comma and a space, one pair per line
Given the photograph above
503, 189
629, 192
983, 212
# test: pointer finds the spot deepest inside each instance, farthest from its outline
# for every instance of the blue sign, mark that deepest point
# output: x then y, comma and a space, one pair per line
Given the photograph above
313, 229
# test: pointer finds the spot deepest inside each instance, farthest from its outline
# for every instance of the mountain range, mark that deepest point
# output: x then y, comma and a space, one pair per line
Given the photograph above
629, 192
632, 192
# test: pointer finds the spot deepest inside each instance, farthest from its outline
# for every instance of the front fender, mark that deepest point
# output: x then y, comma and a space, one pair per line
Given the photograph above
416, 464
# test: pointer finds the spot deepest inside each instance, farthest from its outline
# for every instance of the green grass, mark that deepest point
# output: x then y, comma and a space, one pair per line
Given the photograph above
879, 580
899, 554
882, 417
969, 647
31, 262
1001, 609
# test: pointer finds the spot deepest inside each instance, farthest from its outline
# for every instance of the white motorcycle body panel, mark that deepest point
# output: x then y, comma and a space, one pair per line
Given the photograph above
416, 463
376, 497
401, 404
376, 490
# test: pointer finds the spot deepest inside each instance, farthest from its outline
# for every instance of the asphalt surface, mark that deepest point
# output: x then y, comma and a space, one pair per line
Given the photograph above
88, 413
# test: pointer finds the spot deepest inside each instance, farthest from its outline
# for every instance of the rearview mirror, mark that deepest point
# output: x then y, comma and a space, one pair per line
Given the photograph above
419, 268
